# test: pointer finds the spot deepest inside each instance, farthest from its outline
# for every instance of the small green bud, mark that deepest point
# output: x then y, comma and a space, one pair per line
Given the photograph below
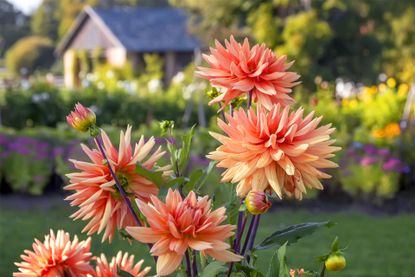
166, 125
213, 93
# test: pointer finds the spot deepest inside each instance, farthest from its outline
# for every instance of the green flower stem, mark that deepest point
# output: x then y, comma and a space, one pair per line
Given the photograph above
323, 270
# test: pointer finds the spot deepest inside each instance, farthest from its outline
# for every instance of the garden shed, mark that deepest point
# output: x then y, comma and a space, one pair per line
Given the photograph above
126, 34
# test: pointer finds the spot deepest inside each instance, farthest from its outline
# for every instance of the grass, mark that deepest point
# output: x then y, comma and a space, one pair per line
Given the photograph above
378, 246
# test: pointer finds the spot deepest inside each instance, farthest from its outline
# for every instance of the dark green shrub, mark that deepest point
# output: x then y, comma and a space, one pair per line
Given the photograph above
29, 54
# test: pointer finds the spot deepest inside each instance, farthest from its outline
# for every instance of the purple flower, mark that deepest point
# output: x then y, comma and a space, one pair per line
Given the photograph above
383, 152
366, 161
394, 164
370, 149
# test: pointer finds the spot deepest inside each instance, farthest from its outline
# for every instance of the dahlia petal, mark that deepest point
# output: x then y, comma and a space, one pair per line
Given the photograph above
168, 263
224, 255
143, 234
199, 245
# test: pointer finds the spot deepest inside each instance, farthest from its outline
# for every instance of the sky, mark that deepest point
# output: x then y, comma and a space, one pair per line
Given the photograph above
27, 6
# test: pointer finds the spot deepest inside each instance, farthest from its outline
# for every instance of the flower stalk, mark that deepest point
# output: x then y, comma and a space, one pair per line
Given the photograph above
117, 182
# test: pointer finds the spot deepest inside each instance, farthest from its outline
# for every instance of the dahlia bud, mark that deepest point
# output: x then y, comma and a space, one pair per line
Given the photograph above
81, 118
213, 93
165, 125
257, 202
335, 262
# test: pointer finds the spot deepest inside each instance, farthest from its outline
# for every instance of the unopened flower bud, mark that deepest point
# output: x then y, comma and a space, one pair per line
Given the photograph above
165, 125
257, 202
213, 93
81, 118
335, 262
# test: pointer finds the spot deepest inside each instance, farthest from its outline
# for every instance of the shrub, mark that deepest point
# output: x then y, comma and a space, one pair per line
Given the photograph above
29, 54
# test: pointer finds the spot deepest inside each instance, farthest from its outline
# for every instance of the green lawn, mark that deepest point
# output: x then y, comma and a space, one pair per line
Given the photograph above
378, 246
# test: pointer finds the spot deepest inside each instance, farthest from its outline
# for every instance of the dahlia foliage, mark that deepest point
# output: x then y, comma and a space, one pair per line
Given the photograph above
267, 152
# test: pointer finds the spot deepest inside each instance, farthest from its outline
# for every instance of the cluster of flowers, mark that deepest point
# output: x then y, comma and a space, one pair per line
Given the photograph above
265, 149
58, 255
368, 154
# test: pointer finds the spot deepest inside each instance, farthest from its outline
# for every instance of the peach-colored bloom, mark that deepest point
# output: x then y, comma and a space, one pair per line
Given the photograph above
180, 224
81, 119
257, 202
299, 271
57, 256
274, 150
119, 262
238, 69
96, 193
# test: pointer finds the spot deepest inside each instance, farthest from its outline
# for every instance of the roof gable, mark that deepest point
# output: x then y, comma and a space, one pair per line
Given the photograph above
139, 29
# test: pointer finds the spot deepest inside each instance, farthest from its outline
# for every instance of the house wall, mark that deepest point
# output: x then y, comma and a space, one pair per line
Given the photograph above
116, 56
91, 37
70, 70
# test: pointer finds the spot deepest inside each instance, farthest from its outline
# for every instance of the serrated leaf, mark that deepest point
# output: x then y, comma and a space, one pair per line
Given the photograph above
291, 234
123, 273
213, 269
194, 177
155, 176
184, 152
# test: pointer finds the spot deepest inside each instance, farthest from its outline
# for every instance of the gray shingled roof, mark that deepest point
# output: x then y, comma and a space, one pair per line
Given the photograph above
149, 29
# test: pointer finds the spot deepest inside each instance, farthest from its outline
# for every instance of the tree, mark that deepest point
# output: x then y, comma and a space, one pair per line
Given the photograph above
13, 25
29, 54
45, 20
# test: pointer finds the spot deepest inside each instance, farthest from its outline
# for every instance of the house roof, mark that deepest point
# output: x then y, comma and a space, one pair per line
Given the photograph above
138, 29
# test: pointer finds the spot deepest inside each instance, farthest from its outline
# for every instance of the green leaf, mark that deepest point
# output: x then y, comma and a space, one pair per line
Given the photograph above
125, 235
249, 271
335, 245
175, 181
213, 269
155, 176
278, 265
184, 153
282, 259
194, 177
310, 274
291, 234
206, 173
273, 269
123, 273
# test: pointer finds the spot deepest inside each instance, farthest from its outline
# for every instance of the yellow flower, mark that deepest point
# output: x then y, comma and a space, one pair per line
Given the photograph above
382, 87
391, 82
403, 90
345, 102
378, 133
392, 130
353, 103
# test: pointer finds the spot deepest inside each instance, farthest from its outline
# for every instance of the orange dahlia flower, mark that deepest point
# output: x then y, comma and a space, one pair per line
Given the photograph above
57, 256
180, 224
238, 69
274, 150
96, 193
119, 262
